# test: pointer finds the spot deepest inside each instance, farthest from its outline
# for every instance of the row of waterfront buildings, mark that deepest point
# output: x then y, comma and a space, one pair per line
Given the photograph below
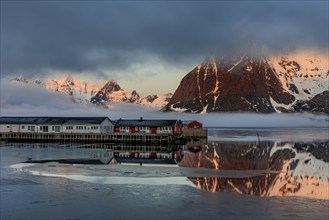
93, 125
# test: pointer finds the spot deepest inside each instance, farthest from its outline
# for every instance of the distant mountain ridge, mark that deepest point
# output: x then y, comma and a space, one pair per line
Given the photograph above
254, 84
290, 83
95, 93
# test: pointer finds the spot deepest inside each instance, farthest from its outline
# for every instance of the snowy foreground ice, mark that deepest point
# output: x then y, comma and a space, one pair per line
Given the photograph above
273, 178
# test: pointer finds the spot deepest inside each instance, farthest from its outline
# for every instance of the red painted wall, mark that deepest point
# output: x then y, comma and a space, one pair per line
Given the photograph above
177, 129
153, 130
134, 154
133, 130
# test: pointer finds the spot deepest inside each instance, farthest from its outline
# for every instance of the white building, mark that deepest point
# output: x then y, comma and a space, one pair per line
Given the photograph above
95, 125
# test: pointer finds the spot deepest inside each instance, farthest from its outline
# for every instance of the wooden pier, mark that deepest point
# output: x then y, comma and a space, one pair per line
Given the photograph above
196, 134
153, 139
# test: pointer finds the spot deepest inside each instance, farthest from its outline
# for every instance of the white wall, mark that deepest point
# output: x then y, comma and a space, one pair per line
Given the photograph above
106, 126
25, 128
86, 128
50, 129
5, 128
9, 128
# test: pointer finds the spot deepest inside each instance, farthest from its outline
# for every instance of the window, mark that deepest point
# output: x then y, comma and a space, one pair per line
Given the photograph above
44, 128
52, 128
33, 128
23, 127
94, 127
166, 129
69, 127
79, 127
29, 128
124, 129
57, 128
144, 129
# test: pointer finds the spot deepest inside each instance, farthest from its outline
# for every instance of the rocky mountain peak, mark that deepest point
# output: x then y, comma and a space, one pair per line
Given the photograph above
245, 83
254, 83
66, 79
151, 98
135, 97
111, 86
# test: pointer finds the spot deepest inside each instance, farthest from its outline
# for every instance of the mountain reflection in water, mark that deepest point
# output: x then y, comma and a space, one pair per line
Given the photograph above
303, 168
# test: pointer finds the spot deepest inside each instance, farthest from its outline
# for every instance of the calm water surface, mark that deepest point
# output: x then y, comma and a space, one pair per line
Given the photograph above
283, 174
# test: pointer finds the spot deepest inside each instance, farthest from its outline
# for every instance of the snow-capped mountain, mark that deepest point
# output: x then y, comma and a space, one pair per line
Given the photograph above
155, 100
259, 84
112, 93
95, 93
79, 90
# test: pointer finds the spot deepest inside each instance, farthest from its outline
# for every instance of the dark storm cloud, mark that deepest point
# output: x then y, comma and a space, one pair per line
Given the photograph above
93, 36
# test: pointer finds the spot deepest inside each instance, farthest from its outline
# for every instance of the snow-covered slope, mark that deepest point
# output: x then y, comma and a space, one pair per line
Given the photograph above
155, 101
79, 90
303, 74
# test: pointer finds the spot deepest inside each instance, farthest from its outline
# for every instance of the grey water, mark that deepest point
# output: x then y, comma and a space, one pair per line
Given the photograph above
239, 174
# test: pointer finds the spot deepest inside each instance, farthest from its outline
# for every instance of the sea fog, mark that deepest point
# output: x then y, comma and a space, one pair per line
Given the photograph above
18, 100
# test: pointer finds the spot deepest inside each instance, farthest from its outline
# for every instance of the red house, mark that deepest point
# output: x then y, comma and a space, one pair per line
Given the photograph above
148, 126
192, 124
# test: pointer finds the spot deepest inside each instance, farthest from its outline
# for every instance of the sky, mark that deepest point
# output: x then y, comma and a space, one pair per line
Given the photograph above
149, 46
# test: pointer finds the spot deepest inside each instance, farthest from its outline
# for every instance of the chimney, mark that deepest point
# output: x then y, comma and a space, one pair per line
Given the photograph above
141, 119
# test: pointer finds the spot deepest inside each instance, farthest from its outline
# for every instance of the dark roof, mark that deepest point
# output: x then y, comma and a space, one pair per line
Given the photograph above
146, 123
52, 120
187, 122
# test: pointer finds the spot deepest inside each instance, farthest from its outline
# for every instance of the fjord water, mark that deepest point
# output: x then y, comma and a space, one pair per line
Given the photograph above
278, 173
